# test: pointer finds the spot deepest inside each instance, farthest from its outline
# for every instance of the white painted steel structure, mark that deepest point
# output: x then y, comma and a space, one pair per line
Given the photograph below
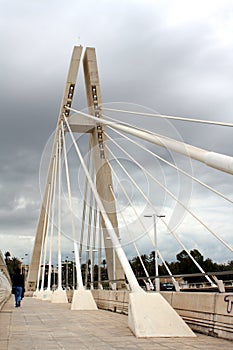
102, 208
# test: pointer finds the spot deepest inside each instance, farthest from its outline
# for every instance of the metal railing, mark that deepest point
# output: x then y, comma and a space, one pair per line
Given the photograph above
219, 284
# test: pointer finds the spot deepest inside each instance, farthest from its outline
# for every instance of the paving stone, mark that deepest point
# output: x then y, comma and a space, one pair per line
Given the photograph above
40, 325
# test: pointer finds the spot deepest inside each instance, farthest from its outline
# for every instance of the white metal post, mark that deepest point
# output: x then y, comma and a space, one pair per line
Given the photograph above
73, 271
157, 284
67, 276
110, 230
59, 215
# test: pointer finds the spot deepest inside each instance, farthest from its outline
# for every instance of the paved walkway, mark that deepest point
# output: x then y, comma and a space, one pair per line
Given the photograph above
45, 326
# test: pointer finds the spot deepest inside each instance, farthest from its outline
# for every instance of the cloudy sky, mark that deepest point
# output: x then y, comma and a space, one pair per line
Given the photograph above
173, 57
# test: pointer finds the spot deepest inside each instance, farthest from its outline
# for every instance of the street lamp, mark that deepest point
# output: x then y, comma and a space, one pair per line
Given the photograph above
113, 283
67, 282
22, 268
73, 271
154, 216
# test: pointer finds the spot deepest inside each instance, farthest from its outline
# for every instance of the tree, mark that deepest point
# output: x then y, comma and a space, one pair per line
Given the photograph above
137, 265
209, 266
197, 256
11, 263
187, 266
7, 256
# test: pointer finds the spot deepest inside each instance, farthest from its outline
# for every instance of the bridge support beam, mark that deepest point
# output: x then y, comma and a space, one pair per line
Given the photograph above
150, 315
83, 300
102, 168
31, 283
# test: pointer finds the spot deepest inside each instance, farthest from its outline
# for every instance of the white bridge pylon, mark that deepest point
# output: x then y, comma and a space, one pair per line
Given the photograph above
144, 307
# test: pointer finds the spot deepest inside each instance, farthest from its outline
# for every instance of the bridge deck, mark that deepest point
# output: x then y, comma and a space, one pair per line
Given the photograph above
43, 325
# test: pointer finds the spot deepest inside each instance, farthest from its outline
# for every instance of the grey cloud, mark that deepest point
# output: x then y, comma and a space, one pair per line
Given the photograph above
145, 56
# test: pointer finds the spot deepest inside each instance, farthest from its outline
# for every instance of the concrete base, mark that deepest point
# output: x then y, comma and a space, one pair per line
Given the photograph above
38, 294
150, 315
59, 296
34, 295
83, 300
47, 295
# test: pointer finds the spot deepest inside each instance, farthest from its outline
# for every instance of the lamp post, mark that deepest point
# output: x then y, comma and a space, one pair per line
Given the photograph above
67, 282
22, 268
113, 283
154, 216
24, 265
73, 272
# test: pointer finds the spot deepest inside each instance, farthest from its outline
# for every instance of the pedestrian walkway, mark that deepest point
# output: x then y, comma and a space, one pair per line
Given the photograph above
45, 326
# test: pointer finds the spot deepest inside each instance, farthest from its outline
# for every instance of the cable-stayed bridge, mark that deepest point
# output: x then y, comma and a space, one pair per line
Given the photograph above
106, 194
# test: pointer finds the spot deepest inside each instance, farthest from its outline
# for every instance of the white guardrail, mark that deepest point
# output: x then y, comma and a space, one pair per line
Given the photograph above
5, 284
5, 289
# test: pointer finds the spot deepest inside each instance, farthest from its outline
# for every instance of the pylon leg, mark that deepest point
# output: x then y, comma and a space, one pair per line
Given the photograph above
150, 315
103, 171
83, 300
43, 218
47, 295
38, 294
59, 296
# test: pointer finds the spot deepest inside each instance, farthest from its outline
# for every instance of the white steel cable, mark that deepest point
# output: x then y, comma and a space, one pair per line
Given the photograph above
99, 254
172, 165
138, 217
49, 225
126, 195
109, 228
128, 175
134, 244
157, 115
93, 250
53, 184
149, 202
45, 255
175, 198
89, 228
43, 239
46, 240
76, 252
59, 215
85, 200
190, 255
215, 160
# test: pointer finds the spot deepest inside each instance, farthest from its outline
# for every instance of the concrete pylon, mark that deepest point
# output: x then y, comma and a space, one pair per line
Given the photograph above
102, 168
59, 296
47, 295
150, 315
43, 218
83, 300
38, 294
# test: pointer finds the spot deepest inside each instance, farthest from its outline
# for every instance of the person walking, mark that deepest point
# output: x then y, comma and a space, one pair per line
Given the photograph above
18, 286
